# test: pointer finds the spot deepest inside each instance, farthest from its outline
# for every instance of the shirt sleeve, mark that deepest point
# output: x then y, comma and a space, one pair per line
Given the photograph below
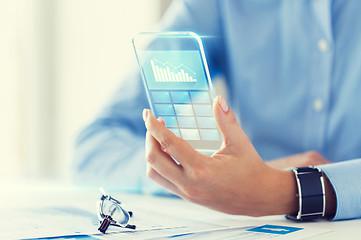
346, 181
110, 151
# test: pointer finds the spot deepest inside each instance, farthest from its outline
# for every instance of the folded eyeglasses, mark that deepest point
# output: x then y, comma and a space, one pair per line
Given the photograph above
111, 212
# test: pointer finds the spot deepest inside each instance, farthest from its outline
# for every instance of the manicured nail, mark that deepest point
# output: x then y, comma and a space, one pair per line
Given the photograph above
145, 114
223, 104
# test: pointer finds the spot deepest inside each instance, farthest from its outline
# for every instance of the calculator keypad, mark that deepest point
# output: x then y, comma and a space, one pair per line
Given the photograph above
188, 114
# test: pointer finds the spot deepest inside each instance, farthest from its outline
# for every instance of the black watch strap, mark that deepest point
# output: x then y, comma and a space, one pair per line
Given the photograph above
311, 194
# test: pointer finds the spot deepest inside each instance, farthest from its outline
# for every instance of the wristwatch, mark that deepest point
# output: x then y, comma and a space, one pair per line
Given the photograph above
311, 194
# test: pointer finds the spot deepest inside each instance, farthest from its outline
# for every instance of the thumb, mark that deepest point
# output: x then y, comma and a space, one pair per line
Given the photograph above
227, 123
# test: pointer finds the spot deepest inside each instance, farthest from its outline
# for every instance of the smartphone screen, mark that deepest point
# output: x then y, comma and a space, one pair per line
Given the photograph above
178, 86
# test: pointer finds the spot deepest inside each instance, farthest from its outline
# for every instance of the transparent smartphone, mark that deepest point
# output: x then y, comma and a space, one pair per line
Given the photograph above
178, 86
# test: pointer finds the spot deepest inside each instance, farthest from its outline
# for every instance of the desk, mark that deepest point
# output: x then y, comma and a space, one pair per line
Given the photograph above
21, 197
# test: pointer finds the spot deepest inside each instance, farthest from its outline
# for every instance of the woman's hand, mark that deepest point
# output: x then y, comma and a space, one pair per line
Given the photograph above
234, 180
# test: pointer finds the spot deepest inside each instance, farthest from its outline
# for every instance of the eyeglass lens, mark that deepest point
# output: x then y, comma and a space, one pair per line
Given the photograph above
119, 215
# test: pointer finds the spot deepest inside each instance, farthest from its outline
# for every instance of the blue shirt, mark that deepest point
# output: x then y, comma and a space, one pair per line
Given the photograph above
293, 72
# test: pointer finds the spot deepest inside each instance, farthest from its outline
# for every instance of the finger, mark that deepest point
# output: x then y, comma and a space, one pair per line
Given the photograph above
155, 176
161, 161
161, 120
176, 147
227, 123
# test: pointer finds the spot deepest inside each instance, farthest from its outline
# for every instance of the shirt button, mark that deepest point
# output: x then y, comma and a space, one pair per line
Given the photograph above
317, 105
322, 45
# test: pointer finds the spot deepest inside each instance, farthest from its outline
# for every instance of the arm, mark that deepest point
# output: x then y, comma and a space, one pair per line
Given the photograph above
310, 158
107, 149
235, 180
342, 182
346, 182
110, 151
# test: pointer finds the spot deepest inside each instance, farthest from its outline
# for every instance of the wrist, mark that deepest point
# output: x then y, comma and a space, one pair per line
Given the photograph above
280, 192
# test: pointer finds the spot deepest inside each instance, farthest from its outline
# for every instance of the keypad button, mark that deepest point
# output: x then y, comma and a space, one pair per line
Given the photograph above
161, 97
187, 122
202, 110
190, 134
170, 121
206, 122
200, 97
180, 97
183, 109
164, 109
175, 131
209, 134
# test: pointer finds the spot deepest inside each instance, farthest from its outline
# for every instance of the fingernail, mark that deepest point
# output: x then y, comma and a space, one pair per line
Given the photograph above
223, 104
145, 114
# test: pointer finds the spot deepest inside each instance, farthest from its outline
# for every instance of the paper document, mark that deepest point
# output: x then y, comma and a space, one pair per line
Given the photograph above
62, 221
72, 214
251, 233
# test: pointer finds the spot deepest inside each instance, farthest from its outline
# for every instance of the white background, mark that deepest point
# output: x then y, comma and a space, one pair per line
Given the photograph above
60, 60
